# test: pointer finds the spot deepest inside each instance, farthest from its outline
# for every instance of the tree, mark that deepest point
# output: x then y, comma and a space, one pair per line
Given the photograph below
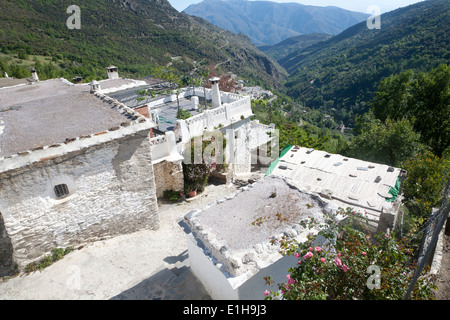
423, 99
391, 142
393, 97
425, 182
431, 94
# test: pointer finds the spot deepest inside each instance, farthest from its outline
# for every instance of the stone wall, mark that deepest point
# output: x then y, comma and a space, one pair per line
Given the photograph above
168, 176
112, 192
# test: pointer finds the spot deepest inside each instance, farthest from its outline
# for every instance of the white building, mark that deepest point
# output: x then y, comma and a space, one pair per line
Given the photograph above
229, 241
228, 112
74, 168
345, 182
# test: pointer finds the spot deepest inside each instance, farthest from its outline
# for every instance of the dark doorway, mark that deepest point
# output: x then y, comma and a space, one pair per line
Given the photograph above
7, 265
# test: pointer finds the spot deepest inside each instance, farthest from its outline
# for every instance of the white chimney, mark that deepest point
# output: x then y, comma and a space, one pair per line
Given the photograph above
95, 86
194, 101
113, 72
216, 101
6, 75
34, 75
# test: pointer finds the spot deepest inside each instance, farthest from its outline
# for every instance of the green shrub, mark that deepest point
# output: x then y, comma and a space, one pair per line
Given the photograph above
57, 254
171, 195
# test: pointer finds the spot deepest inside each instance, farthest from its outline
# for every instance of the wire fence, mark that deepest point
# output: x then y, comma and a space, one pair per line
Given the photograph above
432, 230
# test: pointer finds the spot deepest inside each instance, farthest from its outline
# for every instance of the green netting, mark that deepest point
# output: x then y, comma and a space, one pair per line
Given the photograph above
162, 119
274, 164
394, 191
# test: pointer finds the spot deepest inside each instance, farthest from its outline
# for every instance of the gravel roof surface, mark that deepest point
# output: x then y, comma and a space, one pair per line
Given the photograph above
48, 112
266, 209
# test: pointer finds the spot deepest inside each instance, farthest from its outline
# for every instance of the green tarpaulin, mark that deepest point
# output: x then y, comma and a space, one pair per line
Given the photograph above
394, 191
274, 164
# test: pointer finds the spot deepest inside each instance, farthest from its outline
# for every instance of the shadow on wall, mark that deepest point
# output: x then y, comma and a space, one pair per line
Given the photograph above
7, 265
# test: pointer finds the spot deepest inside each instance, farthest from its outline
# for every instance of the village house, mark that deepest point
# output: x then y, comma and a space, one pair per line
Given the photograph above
229, 240
210, 110
74, 168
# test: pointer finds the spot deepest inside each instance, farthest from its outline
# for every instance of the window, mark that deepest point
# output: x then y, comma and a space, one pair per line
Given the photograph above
61, 191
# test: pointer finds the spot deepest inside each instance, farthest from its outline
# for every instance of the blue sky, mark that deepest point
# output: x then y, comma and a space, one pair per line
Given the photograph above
354, 5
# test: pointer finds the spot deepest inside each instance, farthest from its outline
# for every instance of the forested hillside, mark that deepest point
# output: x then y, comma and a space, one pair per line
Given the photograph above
135, 35
343, 72
293, 44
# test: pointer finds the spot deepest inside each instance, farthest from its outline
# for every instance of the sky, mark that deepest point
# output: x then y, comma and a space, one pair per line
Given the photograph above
353, 5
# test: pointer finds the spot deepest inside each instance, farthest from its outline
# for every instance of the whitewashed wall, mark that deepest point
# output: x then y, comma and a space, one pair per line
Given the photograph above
112, 191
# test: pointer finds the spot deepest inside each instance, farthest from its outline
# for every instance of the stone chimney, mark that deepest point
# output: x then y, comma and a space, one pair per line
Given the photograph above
194, 102
77, 80
113, 72
34, 75
95, 86
216, 101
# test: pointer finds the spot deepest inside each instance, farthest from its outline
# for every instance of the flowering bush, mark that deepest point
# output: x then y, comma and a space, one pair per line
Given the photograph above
343, 267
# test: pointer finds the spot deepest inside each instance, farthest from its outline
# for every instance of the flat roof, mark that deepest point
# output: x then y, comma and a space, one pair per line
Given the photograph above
240, 225
347, 181
167, 113
9, 82
48, 112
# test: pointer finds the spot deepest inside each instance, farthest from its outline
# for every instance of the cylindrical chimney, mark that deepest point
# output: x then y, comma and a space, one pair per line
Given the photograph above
215, 93
95, 86
34, 75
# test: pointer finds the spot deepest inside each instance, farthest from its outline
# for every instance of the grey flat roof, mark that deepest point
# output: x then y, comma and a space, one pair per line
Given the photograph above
48, 112
243, 224
9, 82
167, 113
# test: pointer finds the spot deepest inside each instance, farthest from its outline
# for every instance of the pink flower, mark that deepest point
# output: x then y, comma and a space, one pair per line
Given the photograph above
296, 254
345, 268
364, 253
318, 249
339, 255
337, 262
291, 281
310, 249
322, 259
299, 262
266, 292
308, 255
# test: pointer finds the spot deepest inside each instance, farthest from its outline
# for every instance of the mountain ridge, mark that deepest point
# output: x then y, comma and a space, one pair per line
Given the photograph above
267, 23
344, 71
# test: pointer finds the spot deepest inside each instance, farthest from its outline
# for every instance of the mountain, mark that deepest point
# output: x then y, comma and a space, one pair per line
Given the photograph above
344, 71
267, 23
134, 35
293, 44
